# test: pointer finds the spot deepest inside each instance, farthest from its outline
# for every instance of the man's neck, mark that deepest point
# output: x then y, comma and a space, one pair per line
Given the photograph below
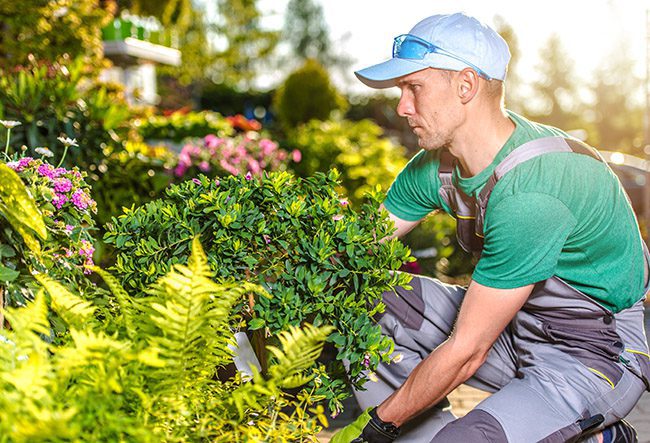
480, 142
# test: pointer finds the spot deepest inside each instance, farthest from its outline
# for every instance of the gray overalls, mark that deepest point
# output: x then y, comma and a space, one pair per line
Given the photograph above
564, 365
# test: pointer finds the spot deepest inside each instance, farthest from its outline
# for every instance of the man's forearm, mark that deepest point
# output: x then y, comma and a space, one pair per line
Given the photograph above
431, 380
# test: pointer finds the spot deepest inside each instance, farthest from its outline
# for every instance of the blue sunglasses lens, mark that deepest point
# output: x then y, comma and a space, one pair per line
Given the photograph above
407, 47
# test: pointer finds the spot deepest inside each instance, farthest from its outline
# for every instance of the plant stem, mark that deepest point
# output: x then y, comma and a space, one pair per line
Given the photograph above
65, 151
7, 145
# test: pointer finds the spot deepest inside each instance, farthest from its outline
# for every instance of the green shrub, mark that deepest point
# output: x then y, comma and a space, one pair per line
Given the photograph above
64, 98
357, 149
307, 94
132, 176
150, 372
323, 262
179, 126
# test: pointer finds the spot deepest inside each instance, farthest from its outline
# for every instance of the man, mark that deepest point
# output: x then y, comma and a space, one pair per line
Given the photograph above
552, 321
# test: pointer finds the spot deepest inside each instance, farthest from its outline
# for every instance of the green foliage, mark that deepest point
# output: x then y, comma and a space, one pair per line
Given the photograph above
179, 126
246, 42
322, 261
450, 263
63, 98
357, 149
59, 210
132, 176
307, 94
149, 372
46, 30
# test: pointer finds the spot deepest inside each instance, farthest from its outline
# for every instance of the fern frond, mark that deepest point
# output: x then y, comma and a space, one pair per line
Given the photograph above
300, 348
74, 310
31, 318
198, 261
191, 314
124, 300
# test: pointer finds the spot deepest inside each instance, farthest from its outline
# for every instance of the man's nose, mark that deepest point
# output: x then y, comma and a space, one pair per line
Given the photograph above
404, 106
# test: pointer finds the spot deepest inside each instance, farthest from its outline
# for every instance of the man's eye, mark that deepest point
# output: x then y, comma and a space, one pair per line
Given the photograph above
414, 88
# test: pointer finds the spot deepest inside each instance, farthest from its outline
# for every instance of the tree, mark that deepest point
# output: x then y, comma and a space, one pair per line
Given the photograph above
514, 98
616, 117
308, 37
46, 30
242, 43
555, 101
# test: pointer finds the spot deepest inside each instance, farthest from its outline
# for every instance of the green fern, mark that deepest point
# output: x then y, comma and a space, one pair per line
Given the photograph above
74, 310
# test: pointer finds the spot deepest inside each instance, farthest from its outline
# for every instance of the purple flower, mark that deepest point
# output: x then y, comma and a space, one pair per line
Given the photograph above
344, 202
266, 238
45, 170
249, 176
197, 181
81, 200
69, 228
86, 249
62, 185
59, 172
366, 360
59, 200
217, 182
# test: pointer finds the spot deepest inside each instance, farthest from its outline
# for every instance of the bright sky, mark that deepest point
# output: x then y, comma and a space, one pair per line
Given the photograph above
589, 29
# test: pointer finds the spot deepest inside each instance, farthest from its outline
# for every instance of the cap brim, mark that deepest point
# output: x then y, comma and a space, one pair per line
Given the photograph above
384, 75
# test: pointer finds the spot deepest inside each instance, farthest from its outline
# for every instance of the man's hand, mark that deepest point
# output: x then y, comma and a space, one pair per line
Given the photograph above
484, 314
368, 428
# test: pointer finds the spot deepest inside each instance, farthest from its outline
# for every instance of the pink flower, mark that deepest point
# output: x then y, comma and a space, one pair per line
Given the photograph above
249, 176
267, 146
59, 200
62, 185
212, 141
266, 238
337, 217
45, 170
296, 156
344, 202
180, 170
204, 166
254, 166
81, 200
197, 181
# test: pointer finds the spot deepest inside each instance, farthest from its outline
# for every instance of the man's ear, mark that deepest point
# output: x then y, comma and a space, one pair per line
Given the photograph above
468, 83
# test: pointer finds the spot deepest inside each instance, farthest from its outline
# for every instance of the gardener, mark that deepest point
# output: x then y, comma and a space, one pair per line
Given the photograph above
552, 321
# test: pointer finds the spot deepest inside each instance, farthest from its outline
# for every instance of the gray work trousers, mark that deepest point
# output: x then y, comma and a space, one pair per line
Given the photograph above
561, 360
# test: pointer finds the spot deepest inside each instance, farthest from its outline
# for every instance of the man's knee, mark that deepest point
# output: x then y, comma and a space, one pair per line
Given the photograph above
476, 426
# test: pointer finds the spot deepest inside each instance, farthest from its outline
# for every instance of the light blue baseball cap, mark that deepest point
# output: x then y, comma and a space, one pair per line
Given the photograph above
452, 42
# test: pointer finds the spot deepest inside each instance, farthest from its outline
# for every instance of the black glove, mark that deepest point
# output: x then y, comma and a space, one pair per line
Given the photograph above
368, 428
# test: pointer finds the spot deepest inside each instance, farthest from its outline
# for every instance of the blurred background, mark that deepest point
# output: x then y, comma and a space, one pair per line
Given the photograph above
140, 84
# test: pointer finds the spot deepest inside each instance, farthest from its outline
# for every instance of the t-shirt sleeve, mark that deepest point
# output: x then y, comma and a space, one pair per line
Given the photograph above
414, 193
524, 235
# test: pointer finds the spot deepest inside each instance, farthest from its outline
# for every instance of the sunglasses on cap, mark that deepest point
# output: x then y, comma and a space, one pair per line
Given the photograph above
409, 46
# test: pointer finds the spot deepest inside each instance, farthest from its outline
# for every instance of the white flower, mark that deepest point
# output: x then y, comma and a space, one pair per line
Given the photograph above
67, 141
44, 152
60, 12
10, 124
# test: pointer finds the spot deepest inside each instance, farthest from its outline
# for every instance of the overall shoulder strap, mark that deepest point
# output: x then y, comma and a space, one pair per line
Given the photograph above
530, 150
525, 152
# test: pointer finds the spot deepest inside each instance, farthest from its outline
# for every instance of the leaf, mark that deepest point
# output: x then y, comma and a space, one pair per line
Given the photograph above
74, 310
17, 202
256, 323
7, 274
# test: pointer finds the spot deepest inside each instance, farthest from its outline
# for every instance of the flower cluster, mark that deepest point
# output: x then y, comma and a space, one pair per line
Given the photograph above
67, 187
63, 197
234, 155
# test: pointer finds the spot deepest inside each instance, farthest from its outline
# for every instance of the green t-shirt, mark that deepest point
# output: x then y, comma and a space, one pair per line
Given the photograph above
560, 214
